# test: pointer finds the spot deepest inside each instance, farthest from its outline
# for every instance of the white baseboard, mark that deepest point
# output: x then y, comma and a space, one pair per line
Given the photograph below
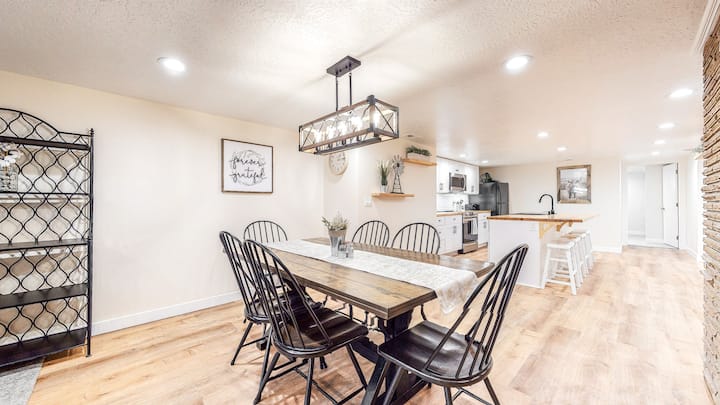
140, 318
608, 249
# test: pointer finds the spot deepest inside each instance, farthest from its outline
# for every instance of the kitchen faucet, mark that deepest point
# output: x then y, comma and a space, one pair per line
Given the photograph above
552, 203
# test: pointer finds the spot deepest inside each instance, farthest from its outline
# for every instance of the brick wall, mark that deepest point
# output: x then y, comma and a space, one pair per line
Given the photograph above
711, 195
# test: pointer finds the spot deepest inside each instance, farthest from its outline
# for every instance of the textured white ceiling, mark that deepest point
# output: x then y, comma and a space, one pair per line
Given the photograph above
598, 81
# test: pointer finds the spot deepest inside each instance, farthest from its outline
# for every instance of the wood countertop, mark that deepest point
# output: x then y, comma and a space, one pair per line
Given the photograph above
451, 213
560, 218
448, 214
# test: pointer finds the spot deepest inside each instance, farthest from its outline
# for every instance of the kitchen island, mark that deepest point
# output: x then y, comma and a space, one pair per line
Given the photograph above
508, 231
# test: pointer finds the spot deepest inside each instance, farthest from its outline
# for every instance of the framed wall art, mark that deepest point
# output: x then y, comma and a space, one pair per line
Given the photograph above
246, 167
574, 184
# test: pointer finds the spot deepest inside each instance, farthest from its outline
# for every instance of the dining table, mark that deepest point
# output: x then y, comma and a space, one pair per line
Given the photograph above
390, 300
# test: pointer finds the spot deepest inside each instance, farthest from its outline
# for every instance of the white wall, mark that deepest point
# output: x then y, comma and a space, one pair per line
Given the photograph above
528, 182
636, 202
350, 193
653, 204
158, 205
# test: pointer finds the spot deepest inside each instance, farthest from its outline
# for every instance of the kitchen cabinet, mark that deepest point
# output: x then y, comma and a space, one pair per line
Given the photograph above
445, 167
472, 182
483, 229
450, 229
442, 176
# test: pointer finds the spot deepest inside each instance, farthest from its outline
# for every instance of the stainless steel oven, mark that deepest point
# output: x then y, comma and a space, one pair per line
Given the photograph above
457, 182
470, 233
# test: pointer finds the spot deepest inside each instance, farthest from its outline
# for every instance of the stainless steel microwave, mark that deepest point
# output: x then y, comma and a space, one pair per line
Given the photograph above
457, 182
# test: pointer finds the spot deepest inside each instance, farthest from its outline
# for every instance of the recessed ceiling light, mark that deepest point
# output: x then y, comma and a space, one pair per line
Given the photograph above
666, 125
681, 93
517, 63
654, 153
462, 155
542, 134
561, 149
484, 161
659, 142
172, 64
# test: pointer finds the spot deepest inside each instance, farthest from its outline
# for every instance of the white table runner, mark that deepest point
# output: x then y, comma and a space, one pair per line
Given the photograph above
452, 286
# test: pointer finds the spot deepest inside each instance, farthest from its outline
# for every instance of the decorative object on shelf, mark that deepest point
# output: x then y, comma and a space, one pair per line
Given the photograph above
337, 228
46, 281
384, 167
417, 153
246, 167
574, 184
9, 155
486, 178
363, 123
391, 195
397, 167
338, 163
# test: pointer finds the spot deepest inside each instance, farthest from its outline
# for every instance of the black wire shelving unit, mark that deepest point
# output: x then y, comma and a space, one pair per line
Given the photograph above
45, 241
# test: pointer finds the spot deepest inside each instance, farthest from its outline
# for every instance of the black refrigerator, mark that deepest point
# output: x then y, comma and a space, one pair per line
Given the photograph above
492, 196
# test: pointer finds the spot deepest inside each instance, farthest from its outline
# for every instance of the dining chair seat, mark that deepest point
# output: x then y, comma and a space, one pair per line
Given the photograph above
424, 338
340, 329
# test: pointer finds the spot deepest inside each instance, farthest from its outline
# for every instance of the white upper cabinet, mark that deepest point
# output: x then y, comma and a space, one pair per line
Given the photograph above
443, 176
445, 167
472, 180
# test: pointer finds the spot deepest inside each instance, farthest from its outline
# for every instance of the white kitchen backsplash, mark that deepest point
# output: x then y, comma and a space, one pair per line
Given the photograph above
445, 202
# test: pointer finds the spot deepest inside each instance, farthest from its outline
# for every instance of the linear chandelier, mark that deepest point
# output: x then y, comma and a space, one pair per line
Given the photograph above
363, 123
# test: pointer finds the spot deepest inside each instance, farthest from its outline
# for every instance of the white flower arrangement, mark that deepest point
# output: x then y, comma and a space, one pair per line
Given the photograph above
9, 155
337, 224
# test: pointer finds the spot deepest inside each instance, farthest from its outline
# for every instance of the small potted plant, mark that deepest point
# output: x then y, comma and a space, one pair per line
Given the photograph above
417, 153
337, 228
384, 167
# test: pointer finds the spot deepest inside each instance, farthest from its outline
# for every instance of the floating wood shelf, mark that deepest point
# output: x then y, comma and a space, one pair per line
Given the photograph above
392, 195
419, 162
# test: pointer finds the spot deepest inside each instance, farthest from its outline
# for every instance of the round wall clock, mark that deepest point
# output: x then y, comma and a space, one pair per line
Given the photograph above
338, 163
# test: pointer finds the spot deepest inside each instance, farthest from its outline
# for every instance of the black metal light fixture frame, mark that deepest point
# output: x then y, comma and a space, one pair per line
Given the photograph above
364, 123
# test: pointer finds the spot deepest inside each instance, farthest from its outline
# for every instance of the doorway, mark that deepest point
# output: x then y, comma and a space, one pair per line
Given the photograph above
652, 205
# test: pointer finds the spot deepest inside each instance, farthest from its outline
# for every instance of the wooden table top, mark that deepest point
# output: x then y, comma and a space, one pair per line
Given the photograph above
543, 218
381, 296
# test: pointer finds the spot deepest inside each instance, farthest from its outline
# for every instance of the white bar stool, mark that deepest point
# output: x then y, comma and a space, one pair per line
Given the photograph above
560, 251
587, 247
578, 257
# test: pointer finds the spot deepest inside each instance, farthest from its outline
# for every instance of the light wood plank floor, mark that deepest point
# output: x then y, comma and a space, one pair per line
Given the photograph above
631, 336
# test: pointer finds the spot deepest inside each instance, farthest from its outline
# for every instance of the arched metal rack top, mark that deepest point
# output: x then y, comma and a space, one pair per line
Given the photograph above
22, 128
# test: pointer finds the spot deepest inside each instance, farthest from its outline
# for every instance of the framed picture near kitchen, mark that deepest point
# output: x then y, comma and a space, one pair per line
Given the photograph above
246, 167
574, 184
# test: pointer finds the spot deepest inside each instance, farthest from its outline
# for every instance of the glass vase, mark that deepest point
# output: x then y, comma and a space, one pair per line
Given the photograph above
336, 239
